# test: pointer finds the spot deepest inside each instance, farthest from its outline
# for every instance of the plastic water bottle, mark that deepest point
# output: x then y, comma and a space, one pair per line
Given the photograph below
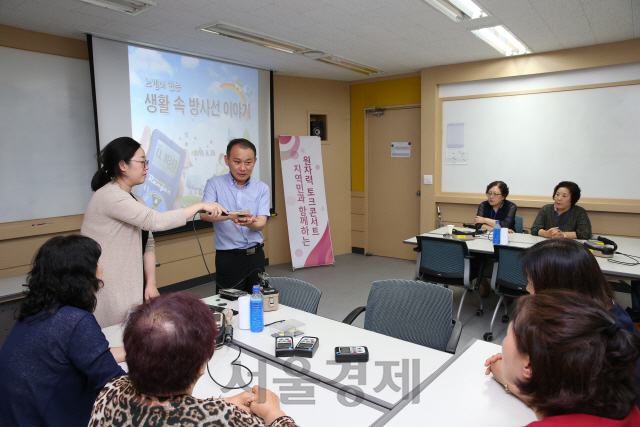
496, 233
257, 311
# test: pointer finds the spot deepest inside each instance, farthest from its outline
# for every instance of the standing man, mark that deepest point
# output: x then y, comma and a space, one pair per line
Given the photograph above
238, 240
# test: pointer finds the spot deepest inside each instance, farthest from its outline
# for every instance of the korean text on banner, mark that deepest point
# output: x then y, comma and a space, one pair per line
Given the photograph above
304, 193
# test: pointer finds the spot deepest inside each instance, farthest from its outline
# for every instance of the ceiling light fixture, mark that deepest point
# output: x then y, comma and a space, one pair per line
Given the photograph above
502, 40
458, 10
255, 37
131, 7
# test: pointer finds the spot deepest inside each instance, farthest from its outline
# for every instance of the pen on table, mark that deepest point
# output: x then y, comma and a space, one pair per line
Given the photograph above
43, 223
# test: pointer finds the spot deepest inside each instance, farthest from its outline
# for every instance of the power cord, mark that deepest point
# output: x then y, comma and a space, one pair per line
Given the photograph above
233, 364
634, 258
205, 261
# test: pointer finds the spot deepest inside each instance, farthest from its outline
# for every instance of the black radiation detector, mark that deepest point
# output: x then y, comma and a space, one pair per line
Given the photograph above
284, 347
306, 347
352, 354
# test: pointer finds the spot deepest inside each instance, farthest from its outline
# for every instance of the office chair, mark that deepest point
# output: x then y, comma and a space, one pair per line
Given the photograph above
508, 279
519, 225
448, 262
413, 311
295, 293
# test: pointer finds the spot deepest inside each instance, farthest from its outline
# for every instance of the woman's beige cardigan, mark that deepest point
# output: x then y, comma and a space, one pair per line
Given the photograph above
116, 221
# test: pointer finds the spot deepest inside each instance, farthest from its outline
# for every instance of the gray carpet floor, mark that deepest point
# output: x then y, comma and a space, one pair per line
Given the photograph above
346, 285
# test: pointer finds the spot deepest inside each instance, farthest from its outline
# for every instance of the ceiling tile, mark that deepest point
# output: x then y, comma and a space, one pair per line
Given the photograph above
611, 31
578, 40
551, 10
562, 28
608, 10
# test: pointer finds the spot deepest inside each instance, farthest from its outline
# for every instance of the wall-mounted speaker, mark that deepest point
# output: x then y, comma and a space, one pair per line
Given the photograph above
317, 129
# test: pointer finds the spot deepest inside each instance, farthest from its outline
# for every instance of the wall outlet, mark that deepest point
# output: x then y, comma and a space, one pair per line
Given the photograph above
428, 179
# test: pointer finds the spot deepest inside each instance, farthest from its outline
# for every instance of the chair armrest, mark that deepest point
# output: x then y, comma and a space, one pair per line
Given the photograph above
352, 316
455, 337
416, 249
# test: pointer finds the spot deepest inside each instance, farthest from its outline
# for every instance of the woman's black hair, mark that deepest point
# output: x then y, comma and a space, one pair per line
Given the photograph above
504, 189
566, 264
119, 150
63, 273
573, 189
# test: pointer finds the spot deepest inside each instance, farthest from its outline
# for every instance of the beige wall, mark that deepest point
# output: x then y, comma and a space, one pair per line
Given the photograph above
294, 98
179, 253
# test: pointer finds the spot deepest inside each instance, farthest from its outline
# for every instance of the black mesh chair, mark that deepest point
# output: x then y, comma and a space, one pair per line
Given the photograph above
508, 279
295, 293
412, 311
448, 262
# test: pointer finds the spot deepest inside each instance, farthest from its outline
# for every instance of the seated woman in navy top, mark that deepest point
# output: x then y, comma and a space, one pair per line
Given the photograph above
56, 359
567, 264
497, 208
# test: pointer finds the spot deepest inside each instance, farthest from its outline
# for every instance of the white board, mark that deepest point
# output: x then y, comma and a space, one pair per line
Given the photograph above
48, 144
534, 141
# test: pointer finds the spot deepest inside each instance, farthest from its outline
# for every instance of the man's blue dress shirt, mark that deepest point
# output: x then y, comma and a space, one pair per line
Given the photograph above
254, 195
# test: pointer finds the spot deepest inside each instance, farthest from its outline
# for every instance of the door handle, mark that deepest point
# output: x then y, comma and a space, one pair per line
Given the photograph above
418, 193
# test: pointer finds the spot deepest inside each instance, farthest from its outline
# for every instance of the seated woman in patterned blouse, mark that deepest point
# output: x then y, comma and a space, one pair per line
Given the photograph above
168, 342
563, 218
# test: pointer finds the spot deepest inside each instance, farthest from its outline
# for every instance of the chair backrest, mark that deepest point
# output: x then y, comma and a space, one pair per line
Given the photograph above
442, 259
413, 311
510, 273
519, 225
296, 293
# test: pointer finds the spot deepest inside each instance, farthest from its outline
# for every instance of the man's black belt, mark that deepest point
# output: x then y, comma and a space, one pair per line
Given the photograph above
249, 251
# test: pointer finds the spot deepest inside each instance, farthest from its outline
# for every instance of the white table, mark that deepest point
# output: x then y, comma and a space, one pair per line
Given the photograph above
404, 363
483, 244
306, 401
11, 288
462, 395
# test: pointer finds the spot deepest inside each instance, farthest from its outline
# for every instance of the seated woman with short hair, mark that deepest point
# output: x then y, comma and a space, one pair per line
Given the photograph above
169, 341
571, 361
496, 208
56, 359
563, 218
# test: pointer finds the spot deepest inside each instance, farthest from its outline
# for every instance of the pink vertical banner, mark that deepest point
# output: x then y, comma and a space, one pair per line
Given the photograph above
304, 194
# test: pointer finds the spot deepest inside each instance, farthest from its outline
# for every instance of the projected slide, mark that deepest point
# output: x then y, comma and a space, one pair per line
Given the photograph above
184, 111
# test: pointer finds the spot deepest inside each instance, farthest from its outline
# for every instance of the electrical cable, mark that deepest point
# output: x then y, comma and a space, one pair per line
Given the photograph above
630, 264
233, 363
205, 261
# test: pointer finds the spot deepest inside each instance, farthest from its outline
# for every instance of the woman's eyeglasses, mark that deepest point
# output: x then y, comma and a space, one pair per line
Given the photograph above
494, 194
146, 162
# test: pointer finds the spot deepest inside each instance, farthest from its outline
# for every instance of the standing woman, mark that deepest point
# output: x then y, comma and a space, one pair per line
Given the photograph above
497, 208
563, 218
122, 224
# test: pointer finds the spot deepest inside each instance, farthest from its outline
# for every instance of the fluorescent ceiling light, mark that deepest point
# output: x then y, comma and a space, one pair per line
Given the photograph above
131, 7
255, 37
458, 10
502, 40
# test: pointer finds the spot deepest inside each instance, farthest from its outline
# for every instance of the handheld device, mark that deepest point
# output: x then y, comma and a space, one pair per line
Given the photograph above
284, 347
231, 294
352, 354
306, 347
166, 159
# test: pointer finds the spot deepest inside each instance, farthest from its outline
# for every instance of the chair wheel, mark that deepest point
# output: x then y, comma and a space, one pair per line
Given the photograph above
488, 336
505, 319
479, 312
